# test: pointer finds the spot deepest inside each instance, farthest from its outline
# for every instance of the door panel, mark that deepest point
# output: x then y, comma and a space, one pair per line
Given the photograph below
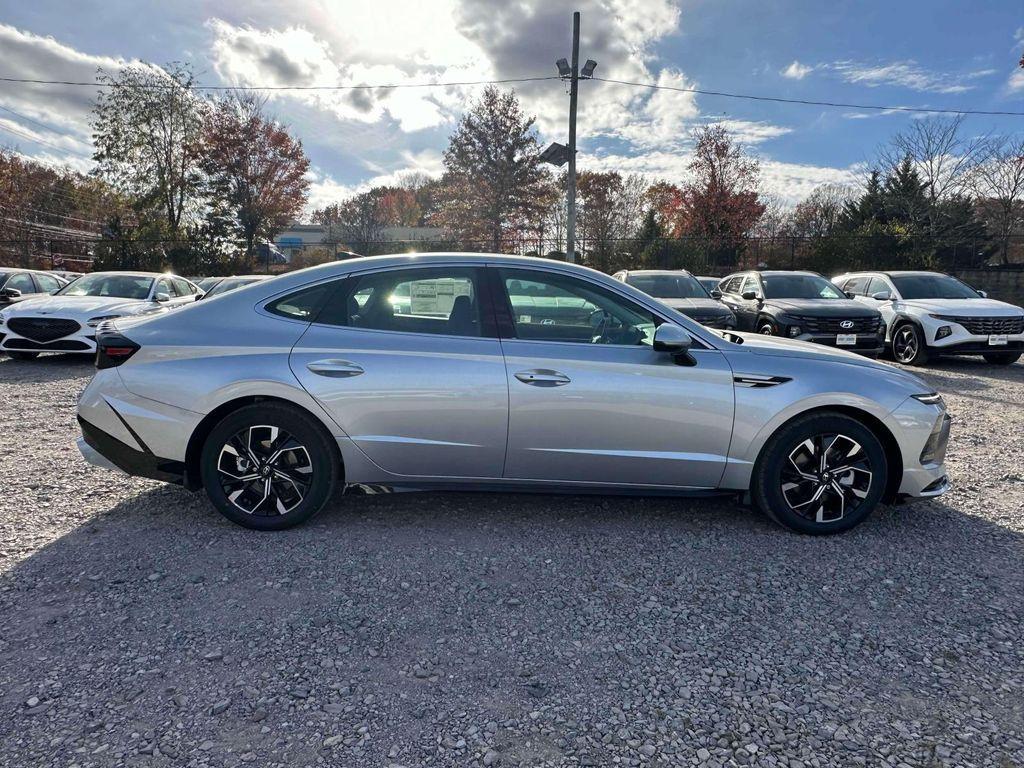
421, 404
402, 362
617, 414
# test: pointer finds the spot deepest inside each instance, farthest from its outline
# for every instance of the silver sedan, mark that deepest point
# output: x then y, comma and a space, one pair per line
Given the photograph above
479, 371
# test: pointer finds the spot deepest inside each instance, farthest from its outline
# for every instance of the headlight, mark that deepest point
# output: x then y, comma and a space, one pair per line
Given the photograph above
931, 398
93, 322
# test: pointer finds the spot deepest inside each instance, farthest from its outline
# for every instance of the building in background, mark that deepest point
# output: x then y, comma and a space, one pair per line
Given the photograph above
299, 238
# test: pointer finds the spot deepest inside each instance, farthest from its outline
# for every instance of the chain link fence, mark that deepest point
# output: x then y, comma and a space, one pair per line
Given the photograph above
706, 256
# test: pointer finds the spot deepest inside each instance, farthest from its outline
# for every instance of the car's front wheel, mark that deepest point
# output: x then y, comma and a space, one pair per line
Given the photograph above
1001, 358
269, 466
908, 345
766, 328
822, 473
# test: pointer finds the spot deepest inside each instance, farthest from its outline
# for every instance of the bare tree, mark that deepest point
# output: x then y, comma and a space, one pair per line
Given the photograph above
999, 186
819, 213
944, 158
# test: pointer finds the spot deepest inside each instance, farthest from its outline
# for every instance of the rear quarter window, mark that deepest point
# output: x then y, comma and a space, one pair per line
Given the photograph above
302, 305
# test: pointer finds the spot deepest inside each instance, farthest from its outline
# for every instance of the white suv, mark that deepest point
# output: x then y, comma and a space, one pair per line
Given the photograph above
928, 313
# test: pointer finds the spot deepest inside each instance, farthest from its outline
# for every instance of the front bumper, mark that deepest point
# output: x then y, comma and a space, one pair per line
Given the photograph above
82, 342
922, 432
871, 345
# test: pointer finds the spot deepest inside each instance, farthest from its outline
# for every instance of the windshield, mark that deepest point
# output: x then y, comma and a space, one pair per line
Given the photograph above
799, 287
230, 284
668, 286
118, 286
208, 283
932, 287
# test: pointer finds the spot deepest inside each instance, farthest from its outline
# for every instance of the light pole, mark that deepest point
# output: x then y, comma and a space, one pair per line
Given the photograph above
557, 154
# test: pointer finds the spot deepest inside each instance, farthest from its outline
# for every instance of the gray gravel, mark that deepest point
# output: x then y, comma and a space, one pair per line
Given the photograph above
137, 627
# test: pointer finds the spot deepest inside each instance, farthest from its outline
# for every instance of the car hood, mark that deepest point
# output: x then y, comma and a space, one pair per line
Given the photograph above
963, 307
778, 346
696, 306
822, 307
78, 307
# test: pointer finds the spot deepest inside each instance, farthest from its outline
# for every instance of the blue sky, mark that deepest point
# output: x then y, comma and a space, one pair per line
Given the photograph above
911, 53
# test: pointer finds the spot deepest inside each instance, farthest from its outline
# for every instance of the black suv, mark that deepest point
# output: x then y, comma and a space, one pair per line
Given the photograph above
802, 305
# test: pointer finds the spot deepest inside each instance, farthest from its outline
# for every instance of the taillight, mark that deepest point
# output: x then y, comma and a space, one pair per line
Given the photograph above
113, 348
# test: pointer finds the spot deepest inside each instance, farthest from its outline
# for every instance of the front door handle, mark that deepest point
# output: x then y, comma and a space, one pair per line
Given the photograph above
543, 377
335, 369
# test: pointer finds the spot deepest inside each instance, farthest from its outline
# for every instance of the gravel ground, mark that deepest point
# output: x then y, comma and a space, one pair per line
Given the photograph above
138, 627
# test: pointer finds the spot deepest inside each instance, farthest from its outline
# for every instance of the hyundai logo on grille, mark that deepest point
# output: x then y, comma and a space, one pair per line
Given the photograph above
846, 324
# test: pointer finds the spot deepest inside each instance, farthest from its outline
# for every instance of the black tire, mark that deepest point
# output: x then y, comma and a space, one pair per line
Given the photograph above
296, 469
1001, 358
765, 328
779, 485
909, 346
22, 355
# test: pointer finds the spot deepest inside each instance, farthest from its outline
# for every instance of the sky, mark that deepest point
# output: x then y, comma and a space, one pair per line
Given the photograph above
911, 53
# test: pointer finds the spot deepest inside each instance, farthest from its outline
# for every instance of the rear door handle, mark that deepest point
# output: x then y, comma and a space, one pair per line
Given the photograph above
543, 377
335, 369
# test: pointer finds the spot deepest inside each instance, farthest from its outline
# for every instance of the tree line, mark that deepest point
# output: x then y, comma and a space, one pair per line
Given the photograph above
200, 183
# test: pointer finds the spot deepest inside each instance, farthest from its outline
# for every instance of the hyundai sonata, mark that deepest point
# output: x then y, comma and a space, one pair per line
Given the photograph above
476, 371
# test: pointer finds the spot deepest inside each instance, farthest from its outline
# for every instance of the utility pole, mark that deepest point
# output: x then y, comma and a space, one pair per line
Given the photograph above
558, 154
574, 78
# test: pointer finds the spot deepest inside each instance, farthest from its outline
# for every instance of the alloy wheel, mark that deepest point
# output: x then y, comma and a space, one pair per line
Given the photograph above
826, 477
905, 344
264, 471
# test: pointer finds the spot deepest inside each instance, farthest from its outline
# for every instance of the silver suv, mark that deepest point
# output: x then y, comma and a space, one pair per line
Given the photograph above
492, 372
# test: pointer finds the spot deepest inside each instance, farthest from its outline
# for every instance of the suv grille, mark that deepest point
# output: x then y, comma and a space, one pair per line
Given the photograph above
43, 329
983, 326
811, 324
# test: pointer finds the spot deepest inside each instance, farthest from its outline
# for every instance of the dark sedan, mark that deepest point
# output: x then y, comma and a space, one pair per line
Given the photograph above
20, 284
681, 291
802, 305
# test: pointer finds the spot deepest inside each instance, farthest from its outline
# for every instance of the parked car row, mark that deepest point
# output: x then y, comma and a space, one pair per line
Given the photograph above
42, 313
913, 315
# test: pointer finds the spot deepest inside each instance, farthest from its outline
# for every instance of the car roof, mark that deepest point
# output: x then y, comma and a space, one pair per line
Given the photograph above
658, 272
892, 273
785, 272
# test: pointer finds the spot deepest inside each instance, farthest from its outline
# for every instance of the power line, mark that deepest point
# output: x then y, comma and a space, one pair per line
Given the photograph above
37, 140
780, 100
199, 87
29, 119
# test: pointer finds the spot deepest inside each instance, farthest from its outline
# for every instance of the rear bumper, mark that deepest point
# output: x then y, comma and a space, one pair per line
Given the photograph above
104, 450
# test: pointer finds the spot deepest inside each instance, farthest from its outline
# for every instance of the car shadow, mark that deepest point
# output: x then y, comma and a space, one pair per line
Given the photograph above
46, 368
982, 373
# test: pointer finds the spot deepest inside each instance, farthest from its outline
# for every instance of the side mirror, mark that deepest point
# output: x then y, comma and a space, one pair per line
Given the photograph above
199, 296
162, 297
882, 296
675, 341
850, 294
983, 294
11, 293
716, 294
749, 296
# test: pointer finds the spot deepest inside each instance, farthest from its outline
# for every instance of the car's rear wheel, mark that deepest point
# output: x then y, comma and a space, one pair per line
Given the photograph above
269, 466
908, 345
822, 473
1001, 358
22, 355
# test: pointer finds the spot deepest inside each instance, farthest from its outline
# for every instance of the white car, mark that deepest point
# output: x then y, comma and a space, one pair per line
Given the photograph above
928, 313
67, 320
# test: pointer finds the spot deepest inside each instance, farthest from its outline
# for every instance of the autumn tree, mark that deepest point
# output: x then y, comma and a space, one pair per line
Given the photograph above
254, 167
358, 221
720, 202
493, 176
147, 131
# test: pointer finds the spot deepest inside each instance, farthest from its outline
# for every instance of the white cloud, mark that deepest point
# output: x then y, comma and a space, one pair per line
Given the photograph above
797, 71
67, 109
325, 189
906, 74
1015, 83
